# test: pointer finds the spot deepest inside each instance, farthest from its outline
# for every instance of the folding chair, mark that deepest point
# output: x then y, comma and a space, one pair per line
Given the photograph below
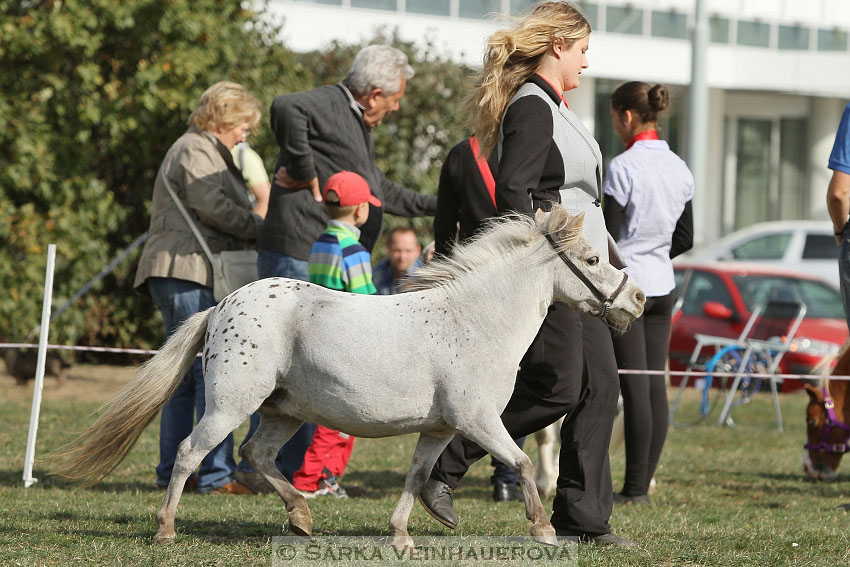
763, 350
695, 363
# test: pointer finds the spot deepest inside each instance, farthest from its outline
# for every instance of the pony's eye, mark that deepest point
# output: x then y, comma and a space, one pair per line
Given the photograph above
593, 260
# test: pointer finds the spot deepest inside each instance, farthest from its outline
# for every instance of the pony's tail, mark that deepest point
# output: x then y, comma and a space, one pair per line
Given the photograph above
102, 447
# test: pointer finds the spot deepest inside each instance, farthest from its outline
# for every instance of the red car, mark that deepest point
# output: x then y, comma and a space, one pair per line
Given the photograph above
718, 298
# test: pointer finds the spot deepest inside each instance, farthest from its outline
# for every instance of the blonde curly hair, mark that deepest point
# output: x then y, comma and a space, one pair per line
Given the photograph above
225, 105
511, 57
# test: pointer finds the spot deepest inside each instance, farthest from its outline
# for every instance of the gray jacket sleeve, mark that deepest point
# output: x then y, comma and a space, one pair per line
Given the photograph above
291, 124
207, 194
401, 201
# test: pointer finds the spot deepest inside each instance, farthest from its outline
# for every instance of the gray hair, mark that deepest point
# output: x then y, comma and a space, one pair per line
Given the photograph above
377, 66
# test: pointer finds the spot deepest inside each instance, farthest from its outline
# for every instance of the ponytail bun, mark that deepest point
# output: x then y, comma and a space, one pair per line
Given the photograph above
658, 98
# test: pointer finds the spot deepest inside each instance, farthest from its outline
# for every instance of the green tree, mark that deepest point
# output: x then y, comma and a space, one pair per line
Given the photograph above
94, 93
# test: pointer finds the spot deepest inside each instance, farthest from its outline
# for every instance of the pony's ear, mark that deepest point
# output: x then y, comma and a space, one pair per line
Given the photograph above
539, 216
577, 221
815, 394
558, 218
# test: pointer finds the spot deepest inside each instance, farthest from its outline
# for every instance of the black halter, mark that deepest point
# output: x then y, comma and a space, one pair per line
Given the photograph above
606, 301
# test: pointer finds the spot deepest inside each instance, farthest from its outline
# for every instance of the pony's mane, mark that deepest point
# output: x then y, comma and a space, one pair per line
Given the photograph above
497, 238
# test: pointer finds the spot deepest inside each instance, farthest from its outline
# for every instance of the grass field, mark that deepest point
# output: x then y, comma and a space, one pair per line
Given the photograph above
725, 497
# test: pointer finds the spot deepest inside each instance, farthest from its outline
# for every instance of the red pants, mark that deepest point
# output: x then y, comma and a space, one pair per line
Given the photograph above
326, 456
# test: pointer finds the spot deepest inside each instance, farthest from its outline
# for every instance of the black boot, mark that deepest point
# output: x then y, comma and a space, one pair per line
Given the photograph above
436, 498
505, 492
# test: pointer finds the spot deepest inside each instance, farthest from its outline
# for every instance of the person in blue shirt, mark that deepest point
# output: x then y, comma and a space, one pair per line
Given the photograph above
403, 252
648, 191
838, 203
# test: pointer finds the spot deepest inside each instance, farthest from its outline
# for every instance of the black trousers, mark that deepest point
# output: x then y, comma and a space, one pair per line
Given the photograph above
559, 375
645, 347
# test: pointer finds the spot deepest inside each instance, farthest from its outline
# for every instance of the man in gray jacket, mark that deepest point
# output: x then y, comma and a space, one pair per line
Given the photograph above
322, 132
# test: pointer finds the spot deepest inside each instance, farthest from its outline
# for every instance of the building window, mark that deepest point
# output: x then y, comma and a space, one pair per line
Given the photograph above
669, 24
719, 29
430, 7
832, 40
331, 2
793, 198
754, 34
375, 4
624, 19
793, 37
590, 11
478, 8
770, 176
522, 7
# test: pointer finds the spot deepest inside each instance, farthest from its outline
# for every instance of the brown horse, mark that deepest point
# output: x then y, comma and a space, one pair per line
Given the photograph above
828, 423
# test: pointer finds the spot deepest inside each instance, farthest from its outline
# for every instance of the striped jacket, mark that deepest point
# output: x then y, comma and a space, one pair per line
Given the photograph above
339, 261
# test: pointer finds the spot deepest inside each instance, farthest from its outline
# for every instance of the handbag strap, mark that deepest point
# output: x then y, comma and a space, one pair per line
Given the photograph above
189, 220
484, 169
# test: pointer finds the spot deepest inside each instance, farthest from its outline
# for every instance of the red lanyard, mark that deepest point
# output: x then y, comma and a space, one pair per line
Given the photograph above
645, 135
484, 169
560, 94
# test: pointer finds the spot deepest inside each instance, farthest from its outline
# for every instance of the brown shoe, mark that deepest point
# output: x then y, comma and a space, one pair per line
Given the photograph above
255, 481
190, 486
232, 487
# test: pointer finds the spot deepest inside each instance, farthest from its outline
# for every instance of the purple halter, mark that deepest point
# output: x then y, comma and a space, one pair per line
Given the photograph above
831, 421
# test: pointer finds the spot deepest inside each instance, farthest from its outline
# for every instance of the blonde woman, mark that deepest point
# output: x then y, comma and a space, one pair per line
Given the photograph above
199, 168
546, 156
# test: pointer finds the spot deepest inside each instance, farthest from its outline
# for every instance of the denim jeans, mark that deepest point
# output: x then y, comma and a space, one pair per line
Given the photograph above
177, 300
844, 273
291, 455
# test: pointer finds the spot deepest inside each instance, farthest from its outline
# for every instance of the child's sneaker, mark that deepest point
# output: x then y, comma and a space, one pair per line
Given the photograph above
327, 487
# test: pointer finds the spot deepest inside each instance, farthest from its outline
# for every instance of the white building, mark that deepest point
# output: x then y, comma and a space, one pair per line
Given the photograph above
778, 73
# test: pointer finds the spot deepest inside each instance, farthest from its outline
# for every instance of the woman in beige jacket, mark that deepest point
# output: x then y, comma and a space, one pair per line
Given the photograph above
199, 169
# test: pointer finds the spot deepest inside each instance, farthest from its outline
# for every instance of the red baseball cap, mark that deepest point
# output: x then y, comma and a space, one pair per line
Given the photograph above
351, 188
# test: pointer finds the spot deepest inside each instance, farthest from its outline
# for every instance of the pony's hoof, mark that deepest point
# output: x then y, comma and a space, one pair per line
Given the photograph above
403, 542
544, 534
301, 523
163, 539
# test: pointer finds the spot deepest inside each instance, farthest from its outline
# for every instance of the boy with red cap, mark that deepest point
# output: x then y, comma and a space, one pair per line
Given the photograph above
337, 261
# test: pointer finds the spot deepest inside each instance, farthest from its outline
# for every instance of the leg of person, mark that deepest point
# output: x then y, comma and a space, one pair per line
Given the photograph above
324, 460
584, 497
291, 455
176, 300
630, 352
844, 273
657, 327
504, 479
546, 389
217, 467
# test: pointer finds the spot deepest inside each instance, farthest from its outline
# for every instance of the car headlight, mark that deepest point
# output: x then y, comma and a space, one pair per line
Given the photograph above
813, 347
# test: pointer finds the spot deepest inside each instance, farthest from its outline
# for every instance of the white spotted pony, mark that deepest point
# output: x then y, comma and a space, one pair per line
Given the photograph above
437, 361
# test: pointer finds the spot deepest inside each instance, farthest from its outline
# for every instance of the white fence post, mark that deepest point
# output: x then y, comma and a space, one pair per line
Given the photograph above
39, 371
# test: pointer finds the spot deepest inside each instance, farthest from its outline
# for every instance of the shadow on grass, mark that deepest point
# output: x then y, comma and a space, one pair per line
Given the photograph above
13, 478
377, 484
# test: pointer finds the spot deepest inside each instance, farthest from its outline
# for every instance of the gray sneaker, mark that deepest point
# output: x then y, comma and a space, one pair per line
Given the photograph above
255, 481
327, 487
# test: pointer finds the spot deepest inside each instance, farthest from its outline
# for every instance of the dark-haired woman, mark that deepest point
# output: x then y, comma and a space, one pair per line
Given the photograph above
648, 192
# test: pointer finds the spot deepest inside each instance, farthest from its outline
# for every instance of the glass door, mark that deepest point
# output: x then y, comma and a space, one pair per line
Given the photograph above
765, 171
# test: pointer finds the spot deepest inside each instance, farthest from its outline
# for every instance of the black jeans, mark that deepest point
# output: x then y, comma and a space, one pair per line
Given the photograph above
645, 347
568, 369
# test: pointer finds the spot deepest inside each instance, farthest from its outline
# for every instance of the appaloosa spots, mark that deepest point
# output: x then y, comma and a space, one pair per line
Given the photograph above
272, 296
